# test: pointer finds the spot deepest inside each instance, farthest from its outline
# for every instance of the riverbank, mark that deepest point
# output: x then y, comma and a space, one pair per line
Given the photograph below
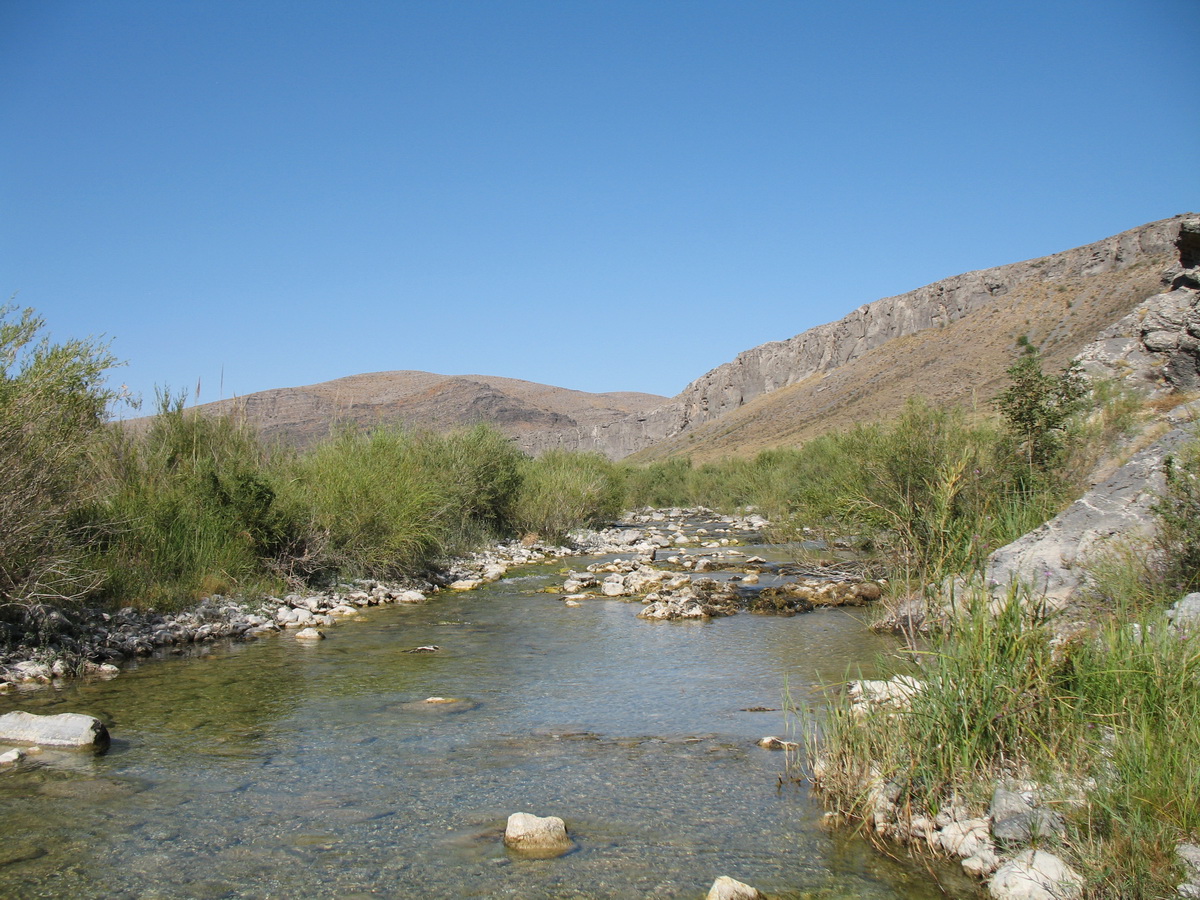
62, 643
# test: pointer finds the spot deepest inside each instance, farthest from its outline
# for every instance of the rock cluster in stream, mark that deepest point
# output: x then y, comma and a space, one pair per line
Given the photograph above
671, 571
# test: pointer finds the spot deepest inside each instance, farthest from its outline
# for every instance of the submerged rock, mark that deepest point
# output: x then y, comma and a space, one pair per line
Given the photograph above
63, 730
537, 836
773, 743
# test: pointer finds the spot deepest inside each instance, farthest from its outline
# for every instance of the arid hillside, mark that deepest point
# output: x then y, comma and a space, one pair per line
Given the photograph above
955, 363
535, 415
949, 342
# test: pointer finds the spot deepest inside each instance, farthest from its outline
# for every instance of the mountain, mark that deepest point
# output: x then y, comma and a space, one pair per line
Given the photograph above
950, 341
537, 416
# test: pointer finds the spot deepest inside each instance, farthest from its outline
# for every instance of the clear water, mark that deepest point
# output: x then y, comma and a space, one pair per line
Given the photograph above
281, 769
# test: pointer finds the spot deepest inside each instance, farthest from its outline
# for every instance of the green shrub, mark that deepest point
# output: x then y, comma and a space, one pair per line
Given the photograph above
561, 491
187, 507
53, 404
478, 474
1178, 514
377, 500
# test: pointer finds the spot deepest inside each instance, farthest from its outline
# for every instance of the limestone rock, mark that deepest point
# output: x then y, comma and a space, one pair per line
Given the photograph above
1052, 558
62, 730
310, 634
982, 864
11, 757
1035, 875
895, 693
965, 839
725, 888
538, 836
1185, 613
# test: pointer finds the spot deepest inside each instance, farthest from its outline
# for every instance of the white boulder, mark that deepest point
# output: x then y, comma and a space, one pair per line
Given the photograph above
725, 888
62, 730
540, 836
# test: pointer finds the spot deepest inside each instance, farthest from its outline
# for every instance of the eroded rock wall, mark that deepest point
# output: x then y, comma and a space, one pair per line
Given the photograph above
778, 364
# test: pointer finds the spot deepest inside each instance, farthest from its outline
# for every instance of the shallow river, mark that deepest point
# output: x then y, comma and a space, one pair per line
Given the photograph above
278, 769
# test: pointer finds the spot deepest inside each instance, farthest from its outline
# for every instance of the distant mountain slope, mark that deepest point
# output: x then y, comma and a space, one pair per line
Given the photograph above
537, 416
949, 341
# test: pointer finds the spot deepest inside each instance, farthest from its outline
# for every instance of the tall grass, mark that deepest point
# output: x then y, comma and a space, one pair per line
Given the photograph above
935, 491
394, 502
185, 508
561, 491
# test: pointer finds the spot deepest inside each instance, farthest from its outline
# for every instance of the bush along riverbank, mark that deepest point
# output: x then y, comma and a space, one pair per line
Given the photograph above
92, 642
1044, 725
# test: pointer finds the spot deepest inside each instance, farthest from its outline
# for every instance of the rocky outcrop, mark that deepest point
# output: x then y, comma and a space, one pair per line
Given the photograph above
1053, 559
1157, 346
821, 350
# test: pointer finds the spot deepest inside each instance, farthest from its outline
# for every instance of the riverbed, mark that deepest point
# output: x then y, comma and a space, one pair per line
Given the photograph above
276, 768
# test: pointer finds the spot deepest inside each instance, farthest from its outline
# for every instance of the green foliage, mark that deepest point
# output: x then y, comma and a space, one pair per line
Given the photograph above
478, 474
1037, 407
561, 491
938, 492
986, 704
52, 405
1178, 514
185, 508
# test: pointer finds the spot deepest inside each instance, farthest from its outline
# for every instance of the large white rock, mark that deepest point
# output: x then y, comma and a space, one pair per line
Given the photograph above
725, 888
1036, 875
62, 730
541, 836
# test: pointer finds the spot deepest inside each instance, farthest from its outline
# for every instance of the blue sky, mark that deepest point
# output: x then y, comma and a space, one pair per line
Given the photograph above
599, 195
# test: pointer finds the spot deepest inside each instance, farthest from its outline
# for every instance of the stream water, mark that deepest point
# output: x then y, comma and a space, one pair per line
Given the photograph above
280, 769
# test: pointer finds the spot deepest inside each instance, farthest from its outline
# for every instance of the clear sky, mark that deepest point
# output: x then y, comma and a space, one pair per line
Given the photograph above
599, 195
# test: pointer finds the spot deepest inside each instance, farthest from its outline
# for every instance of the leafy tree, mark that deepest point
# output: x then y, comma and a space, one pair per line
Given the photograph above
1037, 407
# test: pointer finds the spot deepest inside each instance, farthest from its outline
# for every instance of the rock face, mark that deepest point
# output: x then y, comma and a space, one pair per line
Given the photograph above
779, 364
537, 836
63, 730
1051, 559
1158, 344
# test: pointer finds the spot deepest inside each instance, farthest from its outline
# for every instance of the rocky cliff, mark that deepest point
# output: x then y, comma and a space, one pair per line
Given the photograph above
826, 348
